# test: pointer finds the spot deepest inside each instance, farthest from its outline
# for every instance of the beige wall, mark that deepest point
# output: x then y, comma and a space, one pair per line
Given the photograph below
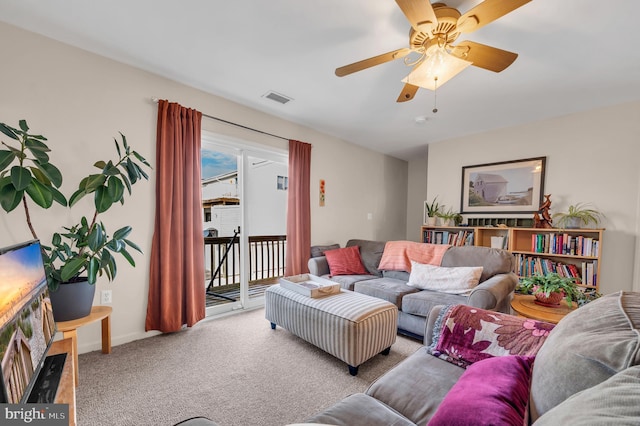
80, 101
416, 195
591, 157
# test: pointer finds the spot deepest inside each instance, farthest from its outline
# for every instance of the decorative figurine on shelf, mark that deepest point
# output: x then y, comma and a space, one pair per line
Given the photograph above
542, 218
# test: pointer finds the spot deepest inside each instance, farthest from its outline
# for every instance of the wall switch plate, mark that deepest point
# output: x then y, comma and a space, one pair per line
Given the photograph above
370, 216
106, 297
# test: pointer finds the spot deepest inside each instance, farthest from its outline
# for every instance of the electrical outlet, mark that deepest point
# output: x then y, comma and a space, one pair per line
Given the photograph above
106, 297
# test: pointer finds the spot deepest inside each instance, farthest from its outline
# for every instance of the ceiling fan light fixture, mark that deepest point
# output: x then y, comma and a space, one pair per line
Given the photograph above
438, 67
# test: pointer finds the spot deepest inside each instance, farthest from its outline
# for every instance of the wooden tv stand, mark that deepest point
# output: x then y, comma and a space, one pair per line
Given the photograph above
66, 393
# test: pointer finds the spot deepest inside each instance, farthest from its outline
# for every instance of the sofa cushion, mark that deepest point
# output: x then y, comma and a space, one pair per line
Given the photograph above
385, 288
493, 261
371, 253
464, 335
422, 302
347, 281
397, 275
317, 251
360, 410
490, 392
398, 255
612, 402
587, 347
416, 386
454, 280
345, 261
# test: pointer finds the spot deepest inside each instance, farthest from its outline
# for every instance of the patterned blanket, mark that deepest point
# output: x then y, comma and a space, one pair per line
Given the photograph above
463, 335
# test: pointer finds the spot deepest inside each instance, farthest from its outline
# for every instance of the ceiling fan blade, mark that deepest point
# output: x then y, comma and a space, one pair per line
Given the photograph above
419, 13
486, 12
483, 56
408, 92
368, 63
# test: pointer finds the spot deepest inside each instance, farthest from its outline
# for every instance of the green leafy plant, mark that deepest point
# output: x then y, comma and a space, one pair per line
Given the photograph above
449, 214
580, 213
552, 283
85, 248
433, 208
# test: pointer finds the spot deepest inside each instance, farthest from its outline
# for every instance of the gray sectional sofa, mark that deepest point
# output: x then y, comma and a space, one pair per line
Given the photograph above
494, 291
586, 372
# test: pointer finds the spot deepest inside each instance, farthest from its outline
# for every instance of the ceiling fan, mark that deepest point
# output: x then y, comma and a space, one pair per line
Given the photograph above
434, 29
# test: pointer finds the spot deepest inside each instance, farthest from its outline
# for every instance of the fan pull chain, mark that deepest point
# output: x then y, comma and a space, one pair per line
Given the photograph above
435, 95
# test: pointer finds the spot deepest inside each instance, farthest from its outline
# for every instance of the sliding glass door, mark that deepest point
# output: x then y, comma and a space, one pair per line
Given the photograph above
244, 193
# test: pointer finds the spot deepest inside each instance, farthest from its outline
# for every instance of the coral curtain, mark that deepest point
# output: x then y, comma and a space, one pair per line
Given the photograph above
176, 277
298, 209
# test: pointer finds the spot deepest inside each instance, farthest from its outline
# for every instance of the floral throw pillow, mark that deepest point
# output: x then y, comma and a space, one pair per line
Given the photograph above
463, 335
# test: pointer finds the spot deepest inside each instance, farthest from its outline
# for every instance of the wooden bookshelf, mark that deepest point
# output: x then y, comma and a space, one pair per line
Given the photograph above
573, 252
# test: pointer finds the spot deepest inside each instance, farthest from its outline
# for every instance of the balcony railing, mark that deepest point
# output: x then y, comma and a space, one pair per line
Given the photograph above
222, 259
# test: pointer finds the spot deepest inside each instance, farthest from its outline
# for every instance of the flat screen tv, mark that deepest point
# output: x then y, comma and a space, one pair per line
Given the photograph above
27, 327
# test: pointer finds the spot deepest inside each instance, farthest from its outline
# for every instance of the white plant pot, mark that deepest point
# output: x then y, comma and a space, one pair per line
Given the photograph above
431, 221
574, 223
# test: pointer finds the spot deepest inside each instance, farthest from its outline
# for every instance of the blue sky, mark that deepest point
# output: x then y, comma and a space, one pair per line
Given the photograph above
215, 163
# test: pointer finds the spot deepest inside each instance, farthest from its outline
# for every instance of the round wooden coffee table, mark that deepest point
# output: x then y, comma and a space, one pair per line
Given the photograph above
525, 305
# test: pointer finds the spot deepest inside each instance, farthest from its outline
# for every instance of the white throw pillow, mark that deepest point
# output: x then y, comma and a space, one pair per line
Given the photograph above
454, 280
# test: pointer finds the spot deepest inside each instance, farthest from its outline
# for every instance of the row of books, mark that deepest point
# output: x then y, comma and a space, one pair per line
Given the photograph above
454, 238
575, 245
585, 272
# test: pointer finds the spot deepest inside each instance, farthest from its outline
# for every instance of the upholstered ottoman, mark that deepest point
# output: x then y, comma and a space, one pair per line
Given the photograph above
352, 327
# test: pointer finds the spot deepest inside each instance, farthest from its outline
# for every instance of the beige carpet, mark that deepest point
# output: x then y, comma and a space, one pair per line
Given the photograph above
234, 370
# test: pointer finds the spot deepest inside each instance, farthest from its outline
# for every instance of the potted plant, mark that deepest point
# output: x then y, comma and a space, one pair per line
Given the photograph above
577, 215
432, 209
448, 216
551, 288
81, 252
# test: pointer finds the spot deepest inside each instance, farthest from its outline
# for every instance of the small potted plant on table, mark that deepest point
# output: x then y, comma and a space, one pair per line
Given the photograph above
551, 288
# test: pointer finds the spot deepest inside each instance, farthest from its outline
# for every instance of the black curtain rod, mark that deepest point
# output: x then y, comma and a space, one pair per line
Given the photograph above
236, 124
244, 127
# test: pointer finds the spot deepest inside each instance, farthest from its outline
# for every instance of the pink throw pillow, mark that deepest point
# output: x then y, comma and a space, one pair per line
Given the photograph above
345, 261
494, 391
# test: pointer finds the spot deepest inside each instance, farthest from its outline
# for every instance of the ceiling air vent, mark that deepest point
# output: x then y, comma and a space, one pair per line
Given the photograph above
277, 97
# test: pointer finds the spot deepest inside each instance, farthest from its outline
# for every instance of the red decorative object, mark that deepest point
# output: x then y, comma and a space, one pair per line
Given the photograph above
552, 301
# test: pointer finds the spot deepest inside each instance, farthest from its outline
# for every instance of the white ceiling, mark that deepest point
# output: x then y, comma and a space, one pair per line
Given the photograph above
574, 55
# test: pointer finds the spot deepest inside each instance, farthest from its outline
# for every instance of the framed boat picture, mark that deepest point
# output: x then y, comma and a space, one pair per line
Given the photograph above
505, 187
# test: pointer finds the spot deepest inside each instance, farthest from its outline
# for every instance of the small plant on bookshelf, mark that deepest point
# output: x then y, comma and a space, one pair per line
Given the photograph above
577, 215
431, 211
448, 216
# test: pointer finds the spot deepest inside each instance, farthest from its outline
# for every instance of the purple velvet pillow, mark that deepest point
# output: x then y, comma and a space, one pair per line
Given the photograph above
494, 391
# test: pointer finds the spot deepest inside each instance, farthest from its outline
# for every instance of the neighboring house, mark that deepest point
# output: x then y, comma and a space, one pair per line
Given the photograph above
220, 186
266, 188
223, 220
267, 184
489, 186
221, 205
